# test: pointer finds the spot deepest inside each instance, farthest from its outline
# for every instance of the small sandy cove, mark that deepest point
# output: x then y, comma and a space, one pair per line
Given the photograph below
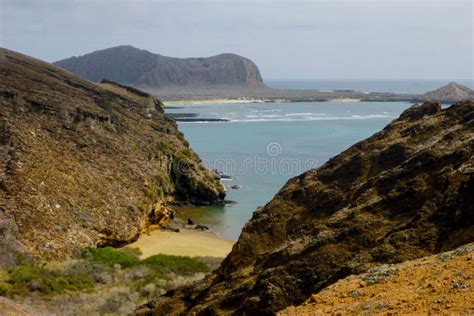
187, 242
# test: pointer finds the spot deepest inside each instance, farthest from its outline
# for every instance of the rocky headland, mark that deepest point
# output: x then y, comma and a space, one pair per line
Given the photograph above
85, 165
402, 194
153, 72
452, 92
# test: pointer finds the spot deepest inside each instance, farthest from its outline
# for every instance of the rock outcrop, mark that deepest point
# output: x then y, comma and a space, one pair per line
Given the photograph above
450, 93
435, 285
85, 165
404, 193
140, 68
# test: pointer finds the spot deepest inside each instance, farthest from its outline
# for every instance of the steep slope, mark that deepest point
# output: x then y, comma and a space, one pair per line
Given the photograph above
140, 68
82, 165
404, 193
452, 92
439, 284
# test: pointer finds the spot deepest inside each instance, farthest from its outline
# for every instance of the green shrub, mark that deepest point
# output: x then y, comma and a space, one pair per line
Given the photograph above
4, 288
163, 181
154, 193
180, 135
28, 278
51, 281
106, 102
187, 153
136, 252
128, 257
110, 256
164, 148
176, 264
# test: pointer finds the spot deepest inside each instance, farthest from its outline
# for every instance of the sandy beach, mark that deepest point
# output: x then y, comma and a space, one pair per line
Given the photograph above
185, 243
210, 101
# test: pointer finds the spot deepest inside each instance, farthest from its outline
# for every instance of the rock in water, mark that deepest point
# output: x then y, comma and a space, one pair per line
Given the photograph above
84, 165
404, 193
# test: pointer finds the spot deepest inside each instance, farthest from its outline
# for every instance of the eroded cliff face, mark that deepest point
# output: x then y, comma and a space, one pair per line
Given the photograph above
404, 193
84, 165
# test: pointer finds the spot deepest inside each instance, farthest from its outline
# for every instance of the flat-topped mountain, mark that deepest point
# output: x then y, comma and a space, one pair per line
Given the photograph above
452, 92
404, 193
140, 68
85, 165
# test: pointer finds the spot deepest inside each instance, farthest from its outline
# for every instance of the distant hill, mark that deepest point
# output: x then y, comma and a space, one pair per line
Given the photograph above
140, 68
452, 92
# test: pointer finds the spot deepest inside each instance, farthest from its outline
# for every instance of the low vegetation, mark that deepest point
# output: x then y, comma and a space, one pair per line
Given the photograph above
175, 264
38, 278
96, 267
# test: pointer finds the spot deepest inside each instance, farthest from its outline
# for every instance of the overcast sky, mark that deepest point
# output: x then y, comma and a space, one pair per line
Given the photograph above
286, 39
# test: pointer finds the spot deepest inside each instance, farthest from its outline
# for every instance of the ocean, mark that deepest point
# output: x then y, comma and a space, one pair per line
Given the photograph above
263, 145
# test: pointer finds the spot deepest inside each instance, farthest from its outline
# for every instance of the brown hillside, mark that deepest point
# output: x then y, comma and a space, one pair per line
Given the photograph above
82, 165
441, 284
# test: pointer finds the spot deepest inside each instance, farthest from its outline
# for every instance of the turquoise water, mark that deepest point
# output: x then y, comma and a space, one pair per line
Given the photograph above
265, 144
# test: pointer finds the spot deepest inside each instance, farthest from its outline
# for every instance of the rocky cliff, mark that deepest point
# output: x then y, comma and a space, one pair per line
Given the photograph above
85, 165
140, 68
404, 193
452, 92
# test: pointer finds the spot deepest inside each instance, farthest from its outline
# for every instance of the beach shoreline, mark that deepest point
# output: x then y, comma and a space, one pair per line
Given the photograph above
213, 101
197, 102
186, 242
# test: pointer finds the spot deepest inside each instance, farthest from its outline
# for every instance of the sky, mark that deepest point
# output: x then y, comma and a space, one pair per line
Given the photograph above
287, 39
